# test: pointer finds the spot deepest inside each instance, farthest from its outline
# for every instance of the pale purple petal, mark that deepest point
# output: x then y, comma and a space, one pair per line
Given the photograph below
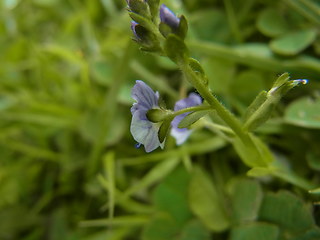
182, 134
192, 100
145, 132
146, 98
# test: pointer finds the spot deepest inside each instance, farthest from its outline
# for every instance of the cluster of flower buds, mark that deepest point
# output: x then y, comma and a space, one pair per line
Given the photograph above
151, 24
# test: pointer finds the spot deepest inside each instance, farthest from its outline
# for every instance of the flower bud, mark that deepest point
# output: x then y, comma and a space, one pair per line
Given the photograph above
168, 17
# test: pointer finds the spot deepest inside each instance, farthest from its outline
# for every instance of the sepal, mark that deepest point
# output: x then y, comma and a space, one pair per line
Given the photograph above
191, 118
139, 7
197, 68
164, 129
175, 48
157, 115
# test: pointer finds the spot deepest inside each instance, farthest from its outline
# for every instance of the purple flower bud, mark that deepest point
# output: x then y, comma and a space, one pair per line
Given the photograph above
133, 28
168, 17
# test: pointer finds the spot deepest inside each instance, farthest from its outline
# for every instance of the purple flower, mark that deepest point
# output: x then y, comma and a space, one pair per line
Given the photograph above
181, 134
168, 17
144, 131
133, 28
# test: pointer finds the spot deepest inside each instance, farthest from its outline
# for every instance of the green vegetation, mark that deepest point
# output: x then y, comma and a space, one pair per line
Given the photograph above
69, 168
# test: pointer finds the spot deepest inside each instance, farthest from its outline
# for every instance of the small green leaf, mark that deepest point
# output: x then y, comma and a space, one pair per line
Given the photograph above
293, 43
304, 112
271, 23
205, 203
191, 118
255, 231
175, 48
287, 211
246, 198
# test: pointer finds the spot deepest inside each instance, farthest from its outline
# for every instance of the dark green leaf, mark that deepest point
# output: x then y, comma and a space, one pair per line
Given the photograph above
170, 196
287, 211
246, 198
255, 231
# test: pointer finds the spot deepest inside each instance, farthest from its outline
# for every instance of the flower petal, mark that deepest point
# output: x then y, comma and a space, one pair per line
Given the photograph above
145, 132
192, 100
144, 95
182, 134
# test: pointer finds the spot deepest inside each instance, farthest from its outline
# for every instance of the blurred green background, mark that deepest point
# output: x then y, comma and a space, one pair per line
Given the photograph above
66, 153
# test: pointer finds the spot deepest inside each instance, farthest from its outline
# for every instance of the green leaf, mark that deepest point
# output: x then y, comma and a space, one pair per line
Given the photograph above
175, 48
160, 227
205, 203
293, 43
194, 230
247, 84
255, 231
304, 112
220, 72
246, 197
171, 196
191, 118
287, 211
258, 156
312, 234
271, 23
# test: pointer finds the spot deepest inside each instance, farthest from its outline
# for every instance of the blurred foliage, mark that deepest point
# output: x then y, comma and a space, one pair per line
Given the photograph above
67, 156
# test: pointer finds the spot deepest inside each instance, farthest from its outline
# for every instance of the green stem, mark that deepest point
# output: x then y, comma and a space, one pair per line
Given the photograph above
223, 113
